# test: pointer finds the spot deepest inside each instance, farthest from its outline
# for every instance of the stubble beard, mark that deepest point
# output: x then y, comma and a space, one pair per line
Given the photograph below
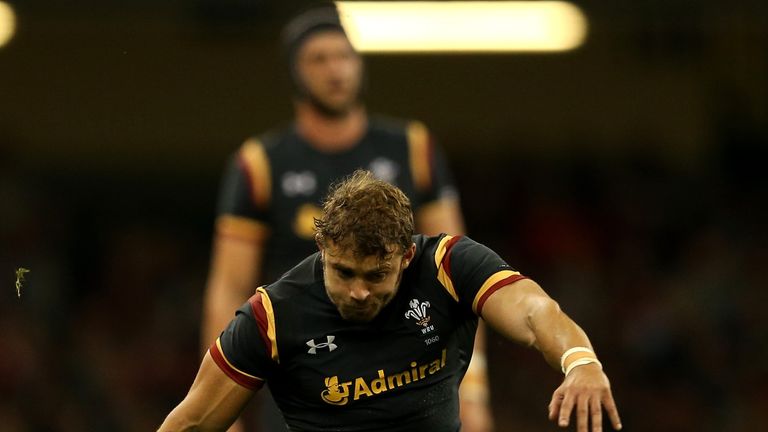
329, 111
359, 318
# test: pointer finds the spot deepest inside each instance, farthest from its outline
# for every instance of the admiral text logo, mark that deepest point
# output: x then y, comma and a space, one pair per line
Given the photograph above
339, 393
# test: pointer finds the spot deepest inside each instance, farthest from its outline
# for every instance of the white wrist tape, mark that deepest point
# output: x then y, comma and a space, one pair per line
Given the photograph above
582, 362
577, 356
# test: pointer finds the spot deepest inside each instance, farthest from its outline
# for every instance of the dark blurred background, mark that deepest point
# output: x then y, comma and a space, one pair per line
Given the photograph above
628, 177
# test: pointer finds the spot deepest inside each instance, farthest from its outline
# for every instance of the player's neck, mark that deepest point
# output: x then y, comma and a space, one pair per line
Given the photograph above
330, 134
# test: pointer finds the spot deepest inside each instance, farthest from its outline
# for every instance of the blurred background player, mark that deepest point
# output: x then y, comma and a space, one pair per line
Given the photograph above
274, 183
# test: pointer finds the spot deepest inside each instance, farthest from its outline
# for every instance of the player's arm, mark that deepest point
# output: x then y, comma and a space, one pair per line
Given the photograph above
234, 273
240, 236
439, 210
444, 216
214, 401
440, 216
523, 312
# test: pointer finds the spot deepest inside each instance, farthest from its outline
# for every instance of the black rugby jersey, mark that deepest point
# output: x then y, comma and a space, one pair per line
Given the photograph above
278, 180
399, 372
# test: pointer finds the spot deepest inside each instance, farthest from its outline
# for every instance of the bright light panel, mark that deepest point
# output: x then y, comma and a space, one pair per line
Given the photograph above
7, 23
462, 26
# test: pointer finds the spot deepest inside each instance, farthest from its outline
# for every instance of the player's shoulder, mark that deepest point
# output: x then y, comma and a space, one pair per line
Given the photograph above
425, 242
428, 247
462, 244
443, 246
298, 283
270, 139
388, 125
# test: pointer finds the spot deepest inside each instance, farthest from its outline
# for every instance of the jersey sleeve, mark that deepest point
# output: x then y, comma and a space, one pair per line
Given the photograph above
246, 351
470, 271
244, 196
429, 167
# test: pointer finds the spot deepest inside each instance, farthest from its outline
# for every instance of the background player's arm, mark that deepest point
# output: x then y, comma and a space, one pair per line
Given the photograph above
440, 216
523, 312
234, 274
239, 239
214, 401
444, 216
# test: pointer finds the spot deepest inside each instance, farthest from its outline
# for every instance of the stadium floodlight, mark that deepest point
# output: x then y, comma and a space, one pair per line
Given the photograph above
462, 26
7, 23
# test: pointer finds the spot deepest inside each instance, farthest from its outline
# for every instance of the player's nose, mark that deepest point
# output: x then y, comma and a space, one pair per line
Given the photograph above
358, 291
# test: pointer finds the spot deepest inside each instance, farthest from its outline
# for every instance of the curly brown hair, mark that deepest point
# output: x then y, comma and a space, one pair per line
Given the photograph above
370, 216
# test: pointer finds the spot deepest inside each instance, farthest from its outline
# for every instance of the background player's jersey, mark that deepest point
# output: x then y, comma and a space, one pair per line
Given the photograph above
277, 181
400, 372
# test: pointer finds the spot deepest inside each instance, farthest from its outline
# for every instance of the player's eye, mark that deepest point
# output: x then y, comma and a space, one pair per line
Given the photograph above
376, 277
318, 58
345, 274
345, 54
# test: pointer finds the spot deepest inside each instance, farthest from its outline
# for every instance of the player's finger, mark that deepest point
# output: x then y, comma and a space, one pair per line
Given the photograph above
613, 412
554, 404
582, 413
596, 414
566, 407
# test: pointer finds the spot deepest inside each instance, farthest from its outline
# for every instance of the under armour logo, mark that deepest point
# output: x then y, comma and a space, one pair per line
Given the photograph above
313, 347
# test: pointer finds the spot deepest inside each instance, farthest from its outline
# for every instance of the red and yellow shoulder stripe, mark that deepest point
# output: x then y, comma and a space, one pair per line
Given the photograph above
443, 263
261, 306
253, 159
246, 380
491, 285
262, 309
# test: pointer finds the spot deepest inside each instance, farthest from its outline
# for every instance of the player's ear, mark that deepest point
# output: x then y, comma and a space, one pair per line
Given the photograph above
409, 254
319, 243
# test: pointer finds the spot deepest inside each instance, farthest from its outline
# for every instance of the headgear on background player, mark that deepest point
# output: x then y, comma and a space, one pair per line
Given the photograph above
322, 17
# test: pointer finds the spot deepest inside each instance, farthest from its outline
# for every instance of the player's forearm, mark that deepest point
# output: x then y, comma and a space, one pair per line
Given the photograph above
474, 386
553, 331
178, 421
183, 419
212, 404
218, 310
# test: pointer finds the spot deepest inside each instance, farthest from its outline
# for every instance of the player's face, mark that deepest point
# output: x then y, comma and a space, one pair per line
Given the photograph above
330, 71
360, 287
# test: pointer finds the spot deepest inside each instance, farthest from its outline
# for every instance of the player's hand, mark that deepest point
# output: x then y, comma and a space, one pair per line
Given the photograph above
585, 391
